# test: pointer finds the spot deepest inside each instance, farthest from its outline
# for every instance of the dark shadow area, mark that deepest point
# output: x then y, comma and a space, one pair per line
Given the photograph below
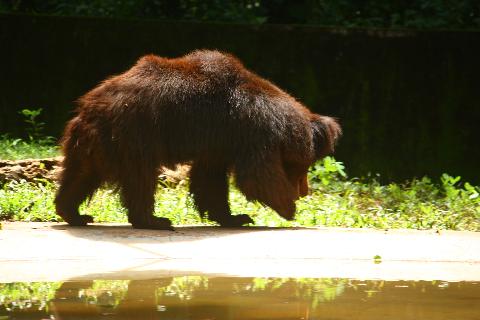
407, 100
179, 234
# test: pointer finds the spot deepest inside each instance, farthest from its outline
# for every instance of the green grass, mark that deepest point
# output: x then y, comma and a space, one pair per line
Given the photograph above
16, 148
335, 201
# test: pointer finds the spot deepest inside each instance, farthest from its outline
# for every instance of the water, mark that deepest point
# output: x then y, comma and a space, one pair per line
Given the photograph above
198, 297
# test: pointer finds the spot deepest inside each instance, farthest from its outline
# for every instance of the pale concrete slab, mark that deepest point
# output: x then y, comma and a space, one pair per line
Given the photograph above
54, 251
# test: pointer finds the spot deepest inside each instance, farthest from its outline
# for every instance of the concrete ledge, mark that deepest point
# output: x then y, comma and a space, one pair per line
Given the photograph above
49, 251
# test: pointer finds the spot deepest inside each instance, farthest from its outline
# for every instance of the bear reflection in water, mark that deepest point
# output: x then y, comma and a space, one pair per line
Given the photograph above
196, 297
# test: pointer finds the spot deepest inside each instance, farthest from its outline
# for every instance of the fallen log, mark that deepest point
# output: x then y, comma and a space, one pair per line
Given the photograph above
32, 170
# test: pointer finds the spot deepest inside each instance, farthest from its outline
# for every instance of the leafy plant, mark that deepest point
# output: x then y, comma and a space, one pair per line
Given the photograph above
26, 201
34, 126
25, 295
327, 171
38, 145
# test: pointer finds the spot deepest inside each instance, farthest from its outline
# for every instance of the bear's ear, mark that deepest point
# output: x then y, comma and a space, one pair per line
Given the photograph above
326, 132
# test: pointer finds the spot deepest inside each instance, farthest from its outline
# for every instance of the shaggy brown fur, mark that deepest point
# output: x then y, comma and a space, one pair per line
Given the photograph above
204, 108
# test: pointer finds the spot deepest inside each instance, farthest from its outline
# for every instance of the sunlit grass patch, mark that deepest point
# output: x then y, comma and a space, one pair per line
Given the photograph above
334, 201
16, 148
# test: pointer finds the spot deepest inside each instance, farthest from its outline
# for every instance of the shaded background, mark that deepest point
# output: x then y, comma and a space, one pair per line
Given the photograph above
408, 101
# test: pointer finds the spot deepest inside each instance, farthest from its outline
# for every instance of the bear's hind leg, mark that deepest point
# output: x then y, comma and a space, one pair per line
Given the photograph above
76, 185
209, 187
138, 196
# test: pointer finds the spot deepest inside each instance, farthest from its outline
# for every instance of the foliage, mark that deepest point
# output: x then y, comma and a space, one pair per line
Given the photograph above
335, 201
410, 14
26, 295
26, 201
349, 13
104, 293
110, 294
37, 295
418, 204
34, 126
209, 10
183, 287
16, 148
311, 289
37, 145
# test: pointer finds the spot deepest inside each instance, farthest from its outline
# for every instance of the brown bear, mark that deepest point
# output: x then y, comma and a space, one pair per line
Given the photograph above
206, 109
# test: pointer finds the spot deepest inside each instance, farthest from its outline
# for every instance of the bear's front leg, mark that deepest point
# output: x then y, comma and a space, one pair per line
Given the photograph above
209, 187
138, 196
